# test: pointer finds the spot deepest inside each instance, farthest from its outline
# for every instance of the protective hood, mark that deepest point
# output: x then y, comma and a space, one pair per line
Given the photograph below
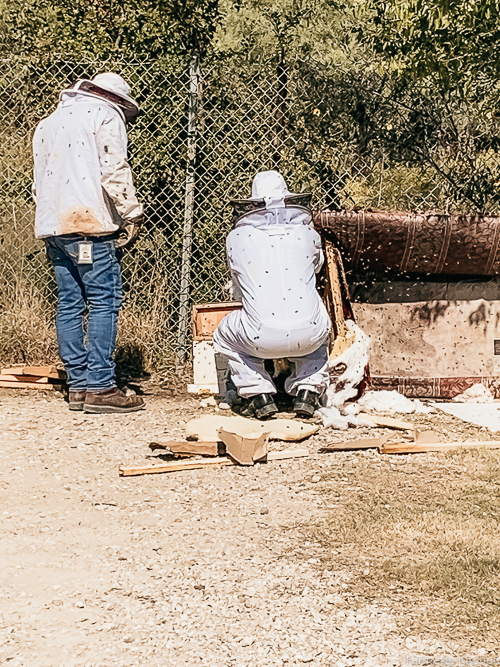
271, 203
111, 88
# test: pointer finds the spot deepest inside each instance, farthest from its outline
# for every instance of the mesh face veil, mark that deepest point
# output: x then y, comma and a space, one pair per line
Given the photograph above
127, 107
272, 200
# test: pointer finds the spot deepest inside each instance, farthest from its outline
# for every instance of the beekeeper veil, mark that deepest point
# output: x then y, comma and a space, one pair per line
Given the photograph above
271, 203
110, 87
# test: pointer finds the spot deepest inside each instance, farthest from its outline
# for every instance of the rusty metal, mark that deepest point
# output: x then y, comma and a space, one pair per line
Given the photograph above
415, 243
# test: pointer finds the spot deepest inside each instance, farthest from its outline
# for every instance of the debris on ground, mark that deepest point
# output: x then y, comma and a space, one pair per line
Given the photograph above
320, 558
212, 462
392, 401
478, 393
245, 450
486, 415
20, 376
206, 428
245, 441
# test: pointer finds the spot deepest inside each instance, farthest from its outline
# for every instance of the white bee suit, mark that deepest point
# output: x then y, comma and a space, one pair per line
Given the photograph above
82, 180
273, 256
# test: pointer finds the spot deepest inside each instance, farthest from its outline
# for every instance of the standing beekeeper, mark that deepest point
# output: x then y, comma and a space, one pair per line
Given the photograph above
86, 207
273, 255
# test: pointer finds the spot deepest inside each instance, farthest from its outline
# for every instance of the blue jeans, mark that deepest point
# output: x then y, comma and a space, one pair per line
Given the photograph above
89, 363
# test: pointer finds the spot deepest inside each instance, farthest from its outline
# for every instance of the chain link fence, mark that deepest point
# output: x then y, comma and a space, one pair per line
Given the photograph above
353, 137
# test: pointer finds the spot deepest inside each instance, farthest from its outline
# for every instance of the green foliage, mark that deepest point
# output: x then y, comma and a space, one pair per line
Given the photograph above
456, 41
258, 30
103, 28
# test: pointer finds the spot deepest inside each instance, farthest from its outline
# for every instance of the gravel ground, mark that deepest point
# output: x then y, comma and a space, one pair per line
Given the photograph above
203, 567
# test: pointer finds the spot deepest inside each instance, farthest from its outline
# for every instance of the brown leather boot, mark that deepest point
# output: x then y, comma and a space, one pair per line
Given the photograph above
76, 399
111, 400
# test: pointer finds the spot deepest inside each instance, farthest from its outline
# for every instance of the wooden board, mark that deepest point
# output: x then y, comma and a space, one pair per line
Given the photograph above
206, 428
176, 466
24, 378
426, 437
192, 447
28, 385
387, 422
334, 295
40, 371
363, 443
207, 316
416, 448
287, 454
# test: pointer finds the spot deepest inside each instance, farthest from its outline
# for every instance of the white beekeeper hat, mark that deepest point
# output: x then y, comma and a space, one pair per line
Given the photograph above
115, 84
111, 87
271, 187
270, 194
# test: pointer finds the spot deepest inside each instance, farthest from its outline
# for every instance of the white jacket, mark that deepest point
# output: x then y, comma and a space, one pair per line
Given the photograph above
82, 180
273, 258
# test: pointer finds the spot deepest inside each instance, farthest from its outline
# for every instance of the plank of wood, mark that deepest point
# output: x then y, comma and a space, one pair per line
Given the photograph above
364, 443
287, 454
426, 437
40, 371
387, 422
24, 378
28, 385
176, 466
416, 448
192, 447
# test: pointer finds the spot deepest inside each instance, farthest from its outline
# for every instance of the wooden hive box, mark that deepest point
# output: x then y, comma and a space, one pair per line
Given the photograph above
208, 378
207, 316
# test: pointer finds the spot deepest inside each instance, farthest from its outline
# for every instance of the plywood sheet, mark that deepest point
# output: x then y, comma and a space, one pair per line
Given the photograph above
206, 428
38, 371
435, 330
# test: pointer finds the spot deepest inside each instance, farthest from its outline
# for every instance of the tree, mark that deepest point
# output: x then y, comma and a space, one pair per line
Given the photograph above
453, 41
102, 28
320, 30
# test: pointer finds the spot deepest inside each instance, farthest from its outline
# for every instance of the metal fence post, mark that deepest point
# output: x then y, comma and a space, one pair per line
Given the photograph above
184, 309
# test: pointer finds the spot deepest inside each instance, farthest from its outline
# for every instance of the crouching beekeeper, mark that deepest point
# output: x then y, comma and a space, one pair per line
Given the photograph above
85, 199
273, 255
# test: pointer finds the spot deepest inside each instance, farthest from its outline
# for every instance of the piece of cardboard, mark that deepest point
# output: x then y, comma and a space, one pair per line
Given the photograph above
245, 450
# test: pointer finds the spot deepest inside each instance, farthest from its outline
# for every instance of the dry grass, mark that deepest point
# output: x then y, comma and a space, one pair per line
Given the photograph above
27, 316
420, 535
27, 330
146, 336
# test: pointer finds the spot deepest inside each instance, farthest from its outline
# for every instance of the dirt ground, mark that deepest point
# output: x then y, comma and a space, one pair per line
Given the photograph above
276, 564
